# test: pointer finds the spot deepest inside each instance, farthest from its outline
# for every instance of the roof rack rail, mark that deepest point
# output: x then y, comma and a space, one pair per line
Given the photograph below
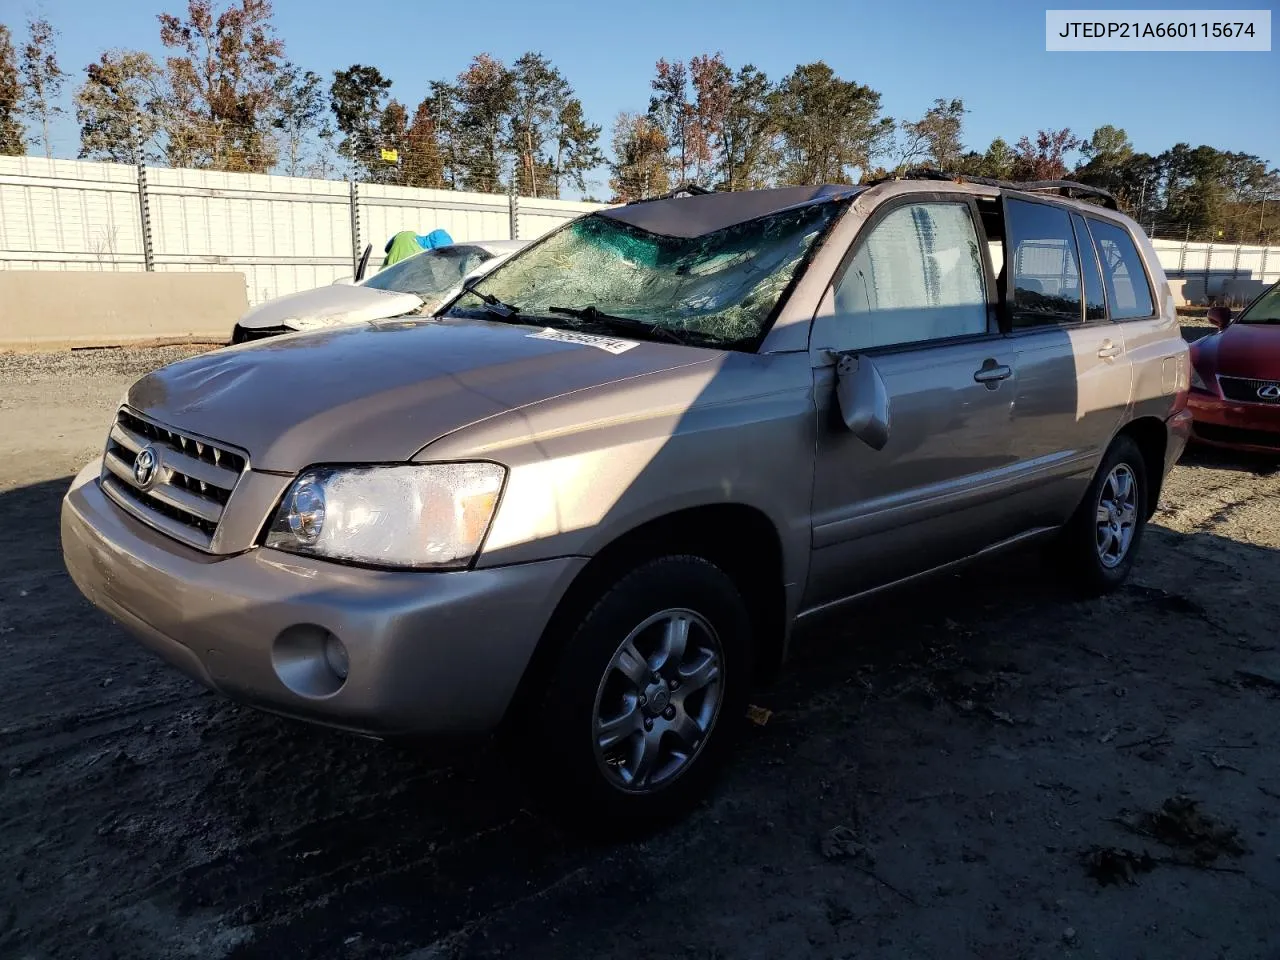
690, 189
1063, 188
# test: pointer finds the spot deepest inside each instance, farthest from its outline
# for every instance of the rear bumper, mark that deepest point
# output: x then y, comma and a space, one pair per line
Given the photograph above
429, 653
1252, 427
1180, 427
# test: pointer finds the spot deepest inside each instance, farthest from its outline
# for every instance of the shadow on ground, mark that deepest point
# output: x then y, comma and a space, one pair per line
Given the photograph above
1213, 458
972, 735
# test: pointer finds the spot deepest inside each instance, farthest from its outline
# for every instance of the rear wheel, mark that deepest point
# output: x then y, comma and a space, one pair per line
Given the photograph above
645, 698
1101, 540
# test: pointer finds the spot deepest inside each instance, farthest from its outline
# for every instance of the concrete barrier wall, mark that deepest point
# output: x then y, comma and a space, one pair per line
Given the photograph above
105, 308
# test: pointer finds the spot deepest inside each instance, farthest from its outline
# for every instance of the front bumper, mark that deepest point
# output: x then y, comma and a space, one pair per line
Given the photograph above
1252, 427
429, 653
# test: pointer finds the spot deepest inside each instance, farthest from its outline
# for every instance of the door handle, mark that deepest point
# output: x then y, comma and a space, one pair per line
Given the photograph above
1108, 350
992, 373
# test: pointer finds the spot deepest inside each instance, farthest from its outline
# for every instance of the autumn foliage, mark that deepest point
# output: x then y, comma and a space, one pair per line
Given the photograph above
219, 92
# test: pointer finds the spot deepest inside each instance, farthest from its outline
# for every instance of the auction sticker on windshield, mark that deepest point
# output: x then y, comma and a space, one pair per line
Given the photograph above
613, 345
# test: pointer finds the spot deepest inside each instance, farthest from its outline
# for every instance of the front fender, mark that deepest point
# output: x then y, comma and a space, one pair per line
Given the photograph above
587, 468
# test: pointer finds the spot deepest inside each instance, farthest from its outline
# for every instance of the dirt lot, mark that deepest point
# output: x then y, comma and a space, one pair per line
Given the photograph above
956, 770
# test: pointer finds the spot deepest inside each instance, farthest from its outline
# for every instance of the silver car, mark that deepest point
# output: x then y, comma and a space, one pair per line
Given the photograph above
419, 284
586, 505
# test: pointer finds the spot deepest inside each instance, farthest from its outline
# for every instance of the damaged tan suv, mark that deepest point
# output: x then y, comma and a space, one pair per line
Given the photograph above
589, 501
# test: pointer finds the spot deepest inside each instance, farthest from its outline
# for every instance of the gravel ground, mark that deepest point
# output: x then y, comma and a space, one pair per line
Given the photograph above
976, 767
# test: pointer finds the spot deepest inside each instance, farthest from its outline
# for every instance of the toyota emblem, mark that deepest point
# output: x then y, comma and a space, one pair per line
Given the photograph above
1269, 391
144, 466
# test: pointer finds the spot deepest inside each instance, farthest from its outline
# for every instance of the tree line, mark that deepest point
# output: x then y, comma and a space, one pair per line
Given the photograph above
225, 96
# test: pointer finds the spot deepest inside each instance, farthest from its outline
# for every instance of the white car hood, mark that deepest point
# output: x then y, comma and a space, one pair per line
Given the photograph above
330, 306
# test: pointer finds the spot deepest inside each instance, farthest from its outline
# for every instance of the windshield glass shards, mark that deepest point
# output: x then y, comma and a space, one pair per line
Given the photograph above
716, 289
430, 274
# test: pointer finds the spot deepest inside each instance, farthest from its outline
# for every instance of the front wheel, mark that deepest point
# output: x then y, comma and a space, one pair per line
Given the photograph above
1101, 540
645, 698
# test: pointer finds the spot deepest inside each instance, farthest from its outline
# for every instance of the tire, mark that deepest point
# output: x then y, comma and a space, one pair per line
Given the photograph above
238, 335
604, 748
1098, 564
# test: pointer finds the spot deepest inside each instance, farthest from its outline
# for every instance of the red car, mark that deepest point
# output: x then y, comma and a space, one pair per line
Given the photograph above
1235, 378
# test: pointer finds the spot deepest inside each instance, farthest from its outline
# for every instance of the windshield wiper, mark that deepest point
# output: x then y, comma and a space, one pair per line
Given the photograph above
492, 305
593, 315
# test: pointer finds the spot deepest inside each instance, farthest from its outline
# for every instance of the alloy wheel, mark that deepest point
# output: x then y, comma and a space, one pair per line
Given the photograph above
1117, 515
658, 700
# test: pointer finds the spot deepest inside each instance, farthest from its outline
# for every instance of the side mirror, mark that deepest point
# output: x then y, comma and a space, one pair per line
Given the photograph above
863, 399
343, 282
1220, 317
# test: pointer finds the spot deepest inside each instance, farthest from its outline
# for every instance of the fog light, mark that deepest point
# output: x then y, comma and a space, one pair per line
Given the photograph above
309, 660
335, 654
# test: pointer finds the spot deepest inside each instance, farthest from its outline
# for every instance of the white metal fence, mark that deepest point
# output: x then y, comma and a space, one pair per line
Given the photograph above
287, 233
284, 233
1219, 271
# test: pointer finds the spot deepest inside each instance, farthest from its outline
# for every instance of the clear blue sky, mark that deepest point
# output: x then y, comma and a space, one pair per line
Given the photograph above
991, 55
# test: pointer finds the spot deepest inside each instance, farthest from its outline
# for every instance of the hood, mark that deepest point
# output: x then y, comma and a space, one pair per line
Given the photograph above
1249, 350
329, 306
381, 392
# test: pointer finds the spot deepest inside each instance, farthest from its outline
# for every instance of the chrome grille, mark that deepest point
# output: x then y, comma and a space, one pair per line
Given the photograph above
190, 484
1245, 390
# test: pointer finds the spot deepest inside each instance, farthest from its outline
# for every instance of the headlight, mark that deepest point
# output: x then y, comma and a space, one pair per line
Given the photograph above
428, 515
1197, 381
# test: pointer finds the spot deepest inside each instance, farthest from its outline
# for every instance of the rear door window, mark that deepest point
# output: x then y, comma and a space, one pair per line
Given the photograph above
1128, 289
1095, 304
1045, 287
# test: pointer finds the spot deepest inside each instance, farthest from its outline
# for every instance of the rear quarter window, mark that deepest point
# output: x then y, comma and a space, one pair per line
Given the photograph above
1123, 272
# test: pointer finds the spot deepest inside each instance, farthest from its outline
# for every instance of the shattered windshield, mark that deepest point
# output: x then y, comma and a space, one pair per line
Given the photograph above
1266, 309
430, 273
718, 289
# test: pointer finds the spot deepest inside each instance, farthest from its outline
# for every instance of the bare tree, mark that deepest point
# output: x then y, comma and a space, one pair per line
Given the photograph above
301, 114
934, 138
671, 112
42, 78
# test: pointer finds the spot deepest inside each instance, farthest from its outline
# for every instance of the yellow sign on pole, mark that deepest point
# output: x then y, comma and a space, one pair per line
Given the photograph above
391, 156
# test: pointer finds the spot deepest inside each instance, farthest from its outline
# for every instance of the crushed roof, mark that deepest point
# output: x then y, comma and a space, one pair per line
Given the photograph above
695, 216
